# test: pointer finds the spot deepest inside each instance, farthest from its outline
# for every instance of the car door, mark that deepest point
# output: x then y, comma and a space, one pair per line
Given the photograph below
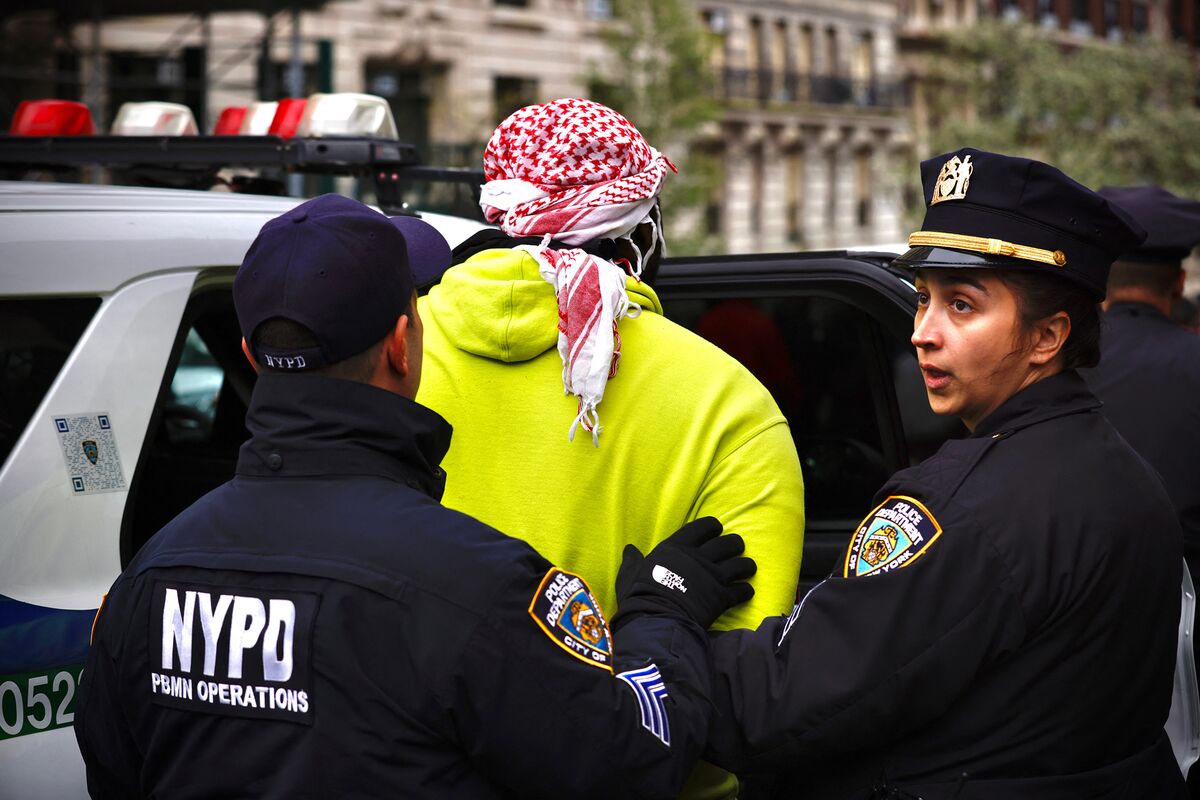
828, 335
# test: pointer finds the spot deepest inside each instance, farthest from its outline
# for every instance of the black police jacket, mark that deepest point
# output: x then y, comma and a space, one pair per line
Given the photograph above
1003, 625
1149, 380
321, 626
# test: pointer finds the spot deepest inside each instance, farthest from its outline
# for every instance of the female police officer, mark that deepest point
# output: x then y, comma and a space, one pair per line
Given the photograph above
1003, 623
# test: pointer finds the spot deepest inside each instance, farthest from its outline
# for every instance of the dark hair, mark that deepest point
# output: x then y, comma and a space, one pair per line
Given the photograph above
1040, 295
279, 333
1159, 277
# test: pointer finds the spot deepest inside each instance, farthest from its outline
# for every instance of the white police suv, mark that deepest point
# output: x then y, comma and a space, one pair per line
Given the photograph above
122, 387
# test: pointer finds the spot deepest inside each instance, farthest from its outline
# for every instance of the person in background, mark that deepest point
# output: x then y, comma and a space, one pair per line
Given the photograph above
320, 626
1149, 371
583, 419
1003, 624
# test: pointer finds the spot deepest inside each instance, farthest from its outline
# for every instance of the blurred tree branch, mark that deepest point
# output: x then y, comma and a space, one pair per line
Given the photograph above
659, 75
1104, 113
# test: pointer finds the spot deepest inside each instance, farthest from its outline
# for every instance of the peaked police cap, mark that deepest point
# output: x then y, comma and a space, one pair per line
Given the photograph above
986, 210
1172, 223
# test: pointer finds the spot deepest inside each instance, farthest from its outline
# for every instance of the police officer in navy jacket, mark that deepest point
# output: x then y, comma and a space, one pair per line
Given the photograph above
321, 626
1003, 622
1149, 370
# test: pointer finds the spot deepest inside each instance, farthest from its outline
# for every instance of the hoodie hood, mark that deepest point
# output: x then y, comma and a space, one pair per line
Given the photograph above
497, 305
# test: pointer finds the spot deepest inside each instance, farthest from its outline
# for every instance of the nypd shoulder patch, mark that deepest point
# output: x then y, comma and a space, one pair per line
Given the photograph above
898, 532
566, 611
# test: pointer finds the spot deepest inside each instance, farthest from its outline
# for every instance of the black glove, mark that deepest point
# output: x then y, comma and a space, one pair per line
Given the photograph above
695, 572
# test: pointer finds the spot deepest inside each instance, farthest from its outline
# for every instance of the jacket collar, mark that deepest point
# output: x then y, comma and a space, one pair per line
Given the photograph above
307, 425
1056, 396
1133, 308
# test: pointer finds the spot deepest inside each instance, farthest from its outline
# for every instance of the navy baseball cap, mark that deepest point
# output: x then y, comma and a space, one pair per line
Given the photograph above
1172, 223
340, 269
986, 210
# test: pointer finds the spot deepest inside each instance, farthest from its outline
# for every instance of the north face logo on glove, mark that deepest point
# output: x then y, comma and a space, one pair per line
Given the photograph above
667, 578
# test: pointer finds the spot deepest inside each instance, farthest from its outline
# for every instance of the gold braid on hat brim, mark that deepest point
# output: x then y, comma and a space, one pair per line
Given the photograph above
979, 244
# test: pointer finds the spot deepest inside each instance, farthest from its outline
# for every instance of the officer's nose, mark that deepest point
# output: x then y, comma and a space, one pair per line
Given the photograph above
925, 331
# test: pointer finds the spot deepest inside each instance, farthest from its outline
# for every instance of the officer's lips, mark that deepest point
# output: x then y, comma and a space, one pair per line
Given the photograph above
935, 378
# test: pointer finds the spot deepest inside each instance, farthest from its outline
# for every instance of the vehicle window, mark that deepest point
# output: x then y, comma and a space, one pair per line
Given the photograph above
198, 424
815, 355
36, 336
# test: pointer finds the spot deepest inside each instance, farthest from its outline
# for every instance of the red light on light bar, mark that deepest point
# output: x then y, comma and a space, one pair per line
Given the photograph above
52, 118
287, 117
230, 121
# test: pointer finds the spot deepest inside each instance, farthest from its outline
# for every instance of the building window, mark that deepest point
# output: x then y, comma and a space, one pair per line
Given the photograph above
510, 94
795, 194
717, 24
862, 187
1081, 17
1046, 15
1112, 20
600, 9
513, 3
1178, 30
806, 58
756, 190
1141, 17
831, 51
1011, 11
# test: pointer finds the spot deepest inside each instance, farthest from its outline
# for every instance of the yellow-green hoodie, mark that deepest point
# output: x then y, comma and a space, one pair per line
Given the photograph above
686, 432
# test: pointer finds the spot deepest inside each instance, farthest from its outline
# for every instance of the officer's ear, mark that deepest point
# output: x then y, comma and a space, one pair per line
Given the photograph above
1049, 335
396, 347
249, 357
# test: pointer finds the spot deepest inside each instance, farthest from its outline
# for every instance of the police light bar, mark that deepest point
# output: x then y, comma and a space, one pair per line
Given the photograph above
258, 119
52, 118
154, 119
230, 121
347, 114
287, 117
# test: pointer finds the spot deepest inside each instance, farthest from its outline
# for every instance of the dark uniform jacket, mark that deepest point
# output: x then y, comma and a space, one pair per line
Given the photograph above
1149, 380
1003, 626
321, 626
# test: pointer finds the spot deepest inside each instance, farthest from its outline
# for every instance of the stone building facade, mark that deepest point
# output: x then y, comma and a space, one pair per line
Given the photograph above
814, 132
811, 140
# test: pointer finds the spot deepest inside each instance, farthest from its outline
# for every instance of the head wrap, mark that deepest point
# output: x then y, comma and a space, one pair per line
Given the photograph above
575, 170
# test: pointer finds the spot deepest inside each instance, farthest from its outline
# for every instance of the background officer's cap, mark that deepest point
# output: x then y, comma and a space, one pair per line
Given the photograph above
1172, 224
339, 268
987, 210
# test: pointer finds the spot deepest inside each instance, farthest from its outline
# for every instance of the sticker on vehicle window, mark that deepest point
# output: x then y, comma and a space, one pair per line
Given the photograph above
90, 452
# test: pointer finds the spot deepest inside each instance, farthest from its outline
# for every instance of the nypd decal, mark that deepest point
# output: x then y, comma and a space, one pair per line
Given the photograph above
898, 532
232, 651
89, 450
566, 611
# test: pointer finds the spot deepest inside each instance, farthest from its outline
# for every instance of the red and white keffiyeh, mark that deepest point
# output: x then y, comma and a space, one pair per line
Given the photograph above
575, 170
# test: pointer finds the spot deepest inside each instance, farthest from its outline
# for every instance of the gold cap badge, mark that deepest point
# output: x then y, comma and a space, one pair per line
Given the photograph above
952, 180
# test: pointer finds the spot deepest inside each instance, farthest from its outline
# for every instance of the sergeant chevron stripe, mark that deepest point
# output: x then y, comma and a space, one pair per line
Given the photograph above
648, 686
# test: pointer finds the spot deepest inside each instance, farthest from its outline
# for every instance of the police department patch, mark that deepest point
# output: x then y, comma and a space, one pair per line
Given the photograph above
565, 609
894, 535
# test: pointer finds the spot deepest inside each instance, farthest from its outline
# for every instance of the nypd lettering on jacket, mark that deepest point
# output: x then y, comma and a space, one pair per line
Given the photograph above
232, 651
898, 532
564, 608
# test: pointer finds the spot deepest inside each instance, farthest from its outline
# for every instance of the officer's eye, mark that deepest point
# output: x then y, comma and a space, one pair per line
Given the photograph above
922, 298
961, 305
